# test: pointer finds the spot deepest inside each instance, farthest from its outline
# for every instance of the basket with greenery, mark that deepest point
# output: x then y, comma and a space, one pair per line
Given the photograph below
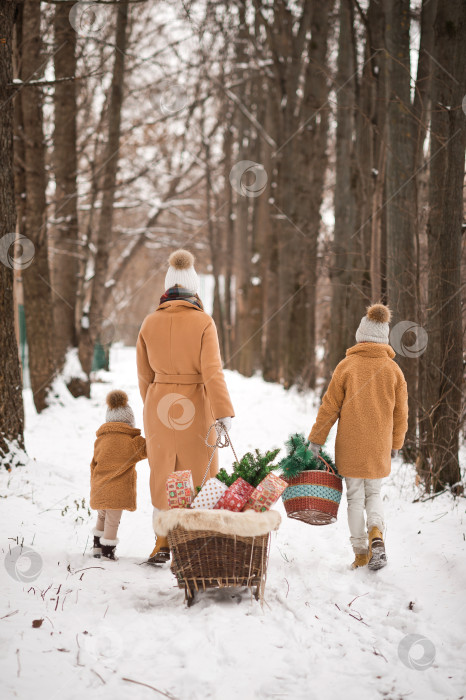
299, 458
314, 485
253, 468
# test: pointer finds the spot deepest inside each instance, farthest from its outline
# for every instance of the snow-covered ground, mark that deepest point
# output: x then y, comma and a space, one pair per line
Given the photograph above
324, 631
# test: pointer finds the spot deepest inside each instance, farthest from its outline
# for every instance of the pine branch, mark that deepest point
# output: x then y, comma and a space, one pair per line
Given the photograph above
252, 467
299, 458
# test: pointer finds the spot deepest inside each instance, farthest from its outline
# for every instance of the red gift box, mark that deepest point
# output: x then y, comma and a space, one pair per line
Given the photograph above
236, 496
180, 489
266, 494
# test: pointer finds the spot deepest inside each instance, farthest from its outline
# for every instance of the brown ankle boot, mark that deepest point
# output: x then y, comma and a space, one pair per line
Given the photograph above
360, 559
161, 552
377, 555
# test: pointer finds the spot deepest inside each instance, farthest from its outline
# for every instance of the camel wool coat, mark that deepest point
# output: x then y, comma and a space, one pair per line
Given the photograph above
368, 396
183, 389
113, 475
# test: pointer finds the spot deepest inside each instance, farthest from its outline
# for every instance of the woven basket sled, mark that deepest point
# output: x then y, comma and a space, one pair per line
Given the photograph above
217, 548
313, 496
210, 548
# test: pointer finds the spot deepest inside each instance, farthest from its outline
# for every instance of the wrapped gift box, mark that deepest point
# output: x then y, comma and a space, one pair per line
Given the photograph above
180, 489
210, 494
236, 496
266, 494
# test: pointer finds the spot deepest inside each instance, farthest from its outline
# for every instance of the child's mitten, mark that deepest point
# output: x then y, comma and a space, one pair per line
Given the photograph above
314, 448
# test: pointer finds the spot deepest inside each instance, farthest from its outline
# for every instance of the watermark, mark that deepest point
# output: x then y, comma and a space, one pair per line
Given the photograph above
23, 564
89, 18
176, 411
19, 256
248, 178
171, 98
399, 337
416, 652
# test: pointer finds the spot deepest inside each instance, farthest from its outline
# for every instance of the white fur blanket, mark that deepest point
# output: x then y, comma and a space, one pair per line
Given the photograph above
247, 524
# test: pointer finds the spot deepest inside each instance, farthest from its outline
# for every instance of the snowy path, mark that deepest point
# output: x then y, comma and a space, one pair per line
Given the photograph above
106, 622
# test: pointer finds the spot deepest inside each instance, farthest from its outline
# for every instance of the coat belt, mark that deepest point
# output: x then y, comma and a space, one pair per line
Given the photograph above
178, 379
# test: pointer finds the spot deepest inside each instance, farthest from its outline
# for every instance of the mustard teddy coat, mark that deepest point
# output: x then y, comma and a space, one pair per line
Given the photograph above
113, 475
368, 396
183, 389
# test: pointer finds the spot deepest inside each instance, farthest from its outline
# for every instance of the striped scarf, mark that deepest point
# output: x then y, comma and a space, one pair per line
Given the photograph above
178, 292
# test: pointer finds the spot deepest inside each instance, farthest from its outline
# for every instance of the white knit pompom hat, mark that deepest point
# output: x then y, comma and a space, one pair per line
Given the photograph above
374, 326
181, 271
119, 411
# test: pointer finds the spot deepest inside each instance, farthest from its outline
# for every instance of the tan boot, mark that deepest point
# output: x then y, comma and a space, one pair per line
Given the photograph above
360, 559
377, 555
161, 552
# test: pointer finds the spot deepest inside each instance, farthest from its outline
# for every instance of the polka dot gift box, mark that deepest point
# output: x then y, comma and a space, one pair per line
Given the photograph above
180, 489
210, 494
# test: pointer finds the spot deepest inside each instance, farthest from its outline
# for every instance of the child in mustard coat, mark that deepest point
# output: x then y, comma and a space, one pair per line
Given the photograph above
118, 447
368, 397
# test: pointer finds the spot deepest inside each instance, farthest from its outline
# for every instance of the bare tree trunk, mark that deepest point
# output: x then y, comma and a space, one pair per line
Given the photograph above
11, 400
401, 193
242, 347
213, 233
36, 277
260, 231
343, 198
270, 275
421, 115
104, 238
311, 166
229, 239
443, 359
64, 233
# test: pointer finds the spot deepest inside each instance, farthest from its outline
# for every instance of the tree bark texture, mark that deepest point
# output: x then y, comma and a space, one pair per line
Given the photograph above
64, 231
35, 277
11, 399
442, 410
104, 237
401, 194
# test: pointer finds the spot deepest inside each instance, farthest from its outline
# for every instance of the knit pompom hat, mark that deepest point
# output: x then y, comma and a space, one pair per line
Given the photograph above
181, 271
119, 411
374, 325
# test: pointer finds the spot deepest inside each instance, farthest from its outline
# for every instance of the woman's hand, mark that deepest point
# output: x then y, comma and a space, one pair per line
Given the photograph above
224, 424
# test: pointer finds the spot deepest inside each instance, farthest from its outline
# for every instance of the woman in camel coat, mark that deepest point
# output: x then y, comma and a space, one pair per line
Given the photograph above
181, 383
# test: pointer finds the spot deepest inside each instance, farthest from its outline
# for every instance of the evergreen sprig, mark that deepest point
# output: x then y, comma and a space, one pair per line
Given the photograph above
299, 458
253, 468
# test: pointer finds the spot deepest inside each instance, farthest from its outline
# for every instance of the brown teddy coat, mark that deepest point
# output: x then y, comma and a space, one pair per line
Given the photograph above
183, 389
113, 475
368, 396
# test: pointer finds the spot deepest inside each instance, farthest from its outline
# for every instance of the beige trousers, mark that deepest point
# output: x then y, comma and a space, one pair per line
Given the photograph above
107, 522
364, 498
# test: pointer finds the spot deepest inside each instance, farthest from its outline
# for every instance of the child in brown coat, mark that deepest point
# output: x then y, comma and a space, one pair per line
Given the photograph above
118, 447
368, 397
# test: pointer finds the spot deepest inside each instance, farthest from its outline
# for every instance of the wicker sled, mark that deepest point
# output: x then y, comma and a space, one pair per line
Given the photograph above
218, 548
313, 496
